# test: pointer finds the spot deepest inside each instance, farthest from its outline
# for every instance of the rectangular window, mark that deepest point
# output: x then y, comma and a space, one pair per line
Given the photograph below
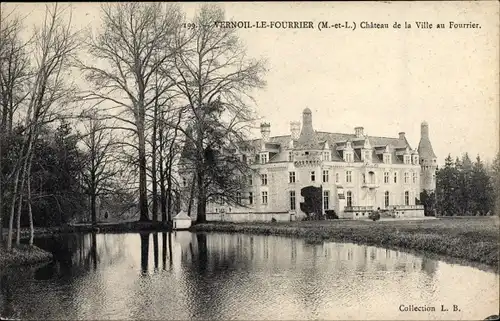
395, 177
292, 200
386, 199
250, 180
348, 177
250, 198
414, 178
406, 159
326, 156
407, 177
337, 178
326, 200
184, 182
313, 176
263, 178
264, 198
290, 156
291, 177
387, 159
325, 176
407, 198
348, 157
263, 158
386, 177
238, 197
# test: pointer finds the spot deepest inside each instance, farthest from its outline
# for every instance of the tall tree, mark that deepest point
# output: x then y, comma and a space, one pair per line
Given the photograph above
14, 72
53, 46
481, 189
495, 175
447, 187
214, 66
135, 40
100, 166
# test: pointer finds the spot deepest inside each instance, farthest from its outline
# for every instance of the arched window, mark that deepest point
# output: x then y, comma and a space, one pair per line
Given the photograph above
386, 199
407, 198
371, 177
349, 198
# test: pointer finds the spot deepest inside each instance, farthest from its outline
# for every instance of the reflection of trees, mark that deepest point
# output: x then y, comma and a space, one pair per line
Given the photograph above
155, 250
210, 274
144, 252
429, 266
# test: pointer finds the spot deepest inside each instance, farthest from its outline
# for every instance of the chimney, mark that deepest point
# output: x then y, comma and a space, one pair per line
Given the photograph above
401, 135
295, 129
358, 131
424, 130
265, 130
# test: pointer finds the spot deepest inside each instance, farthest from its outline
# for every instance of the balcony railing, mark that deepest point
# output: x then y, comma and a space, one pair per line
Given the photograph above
370, 184
406, 207
358, 208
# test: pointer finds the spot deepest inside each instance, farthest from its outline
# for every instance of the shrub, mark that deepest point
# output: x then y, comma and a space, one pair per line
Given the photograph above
331, 215
374, 216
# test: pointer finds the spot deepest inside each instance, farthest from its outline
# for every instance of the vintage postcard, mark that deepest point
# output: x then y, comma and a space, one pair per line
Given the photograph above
249, 161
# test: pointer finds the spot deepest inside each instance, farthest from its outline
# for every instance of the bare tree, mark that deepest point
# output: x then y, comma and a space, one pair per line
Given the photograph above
214, 67
14, 71
100, 165
136, 39
53, 46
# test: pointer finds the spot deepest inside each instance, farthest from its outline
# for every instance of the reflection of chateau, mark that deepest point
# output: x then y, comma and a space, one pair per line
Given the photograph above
282, 252
357, 173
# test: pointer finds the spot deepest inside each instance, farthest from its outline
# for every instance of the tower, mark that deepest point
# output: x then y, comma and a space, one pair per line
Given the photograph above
428, 160
265, 130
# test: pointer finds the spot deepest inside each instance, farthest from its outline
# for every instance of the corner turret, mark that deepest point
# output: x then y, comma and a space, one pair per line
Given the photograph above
428, 160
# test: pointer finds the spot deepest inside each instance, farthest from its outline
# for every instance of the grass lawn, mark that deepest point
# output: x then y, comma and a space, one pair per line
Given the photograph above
473, 239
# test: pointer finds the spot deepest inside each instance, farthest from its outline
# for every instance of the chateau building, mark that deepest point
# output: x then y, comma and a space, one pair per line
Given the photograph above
355, 173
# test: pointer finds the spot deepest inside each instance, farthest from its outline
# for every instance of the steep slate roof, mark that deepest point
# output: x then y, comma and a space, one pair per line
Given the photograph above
339, 139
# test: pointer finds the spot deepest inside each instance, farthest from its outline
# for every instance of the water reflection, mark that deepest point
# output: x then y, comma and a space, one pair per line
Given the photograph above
219, 276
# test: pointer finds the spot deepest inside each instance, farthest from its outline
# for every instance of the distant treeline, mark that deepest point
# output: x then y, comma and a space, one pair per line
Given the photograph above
465, 187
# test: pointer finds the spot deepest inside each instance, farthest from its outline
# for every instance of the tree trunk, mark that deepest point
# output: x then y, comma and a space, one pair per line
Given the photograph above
163, 198
30, 212
93, 211
143, 196
169, 191
201, 205
12, 210
191, 196
163, 201
19, 208
153, 168
1, 185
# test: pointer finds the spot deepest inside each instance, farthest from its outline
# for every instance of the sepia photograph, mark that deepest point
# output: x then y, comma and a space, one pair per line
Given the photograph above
250, 160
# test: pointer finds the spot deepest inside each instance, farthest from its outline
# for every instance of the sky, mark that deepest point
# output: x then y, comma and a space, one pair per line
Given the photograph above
386, 80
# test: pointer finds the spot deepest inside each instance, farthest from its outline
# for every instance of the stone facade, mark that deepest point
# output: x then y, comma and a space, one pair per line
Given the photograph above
357, 174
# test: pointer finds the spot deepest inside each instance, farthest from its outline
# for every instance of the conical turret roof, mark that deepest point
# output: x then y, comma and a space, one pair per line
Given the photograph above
308, 138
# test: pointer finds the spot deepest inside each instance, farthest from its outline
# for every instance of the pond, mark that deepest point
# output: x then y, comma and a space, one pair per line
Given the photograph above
183, 275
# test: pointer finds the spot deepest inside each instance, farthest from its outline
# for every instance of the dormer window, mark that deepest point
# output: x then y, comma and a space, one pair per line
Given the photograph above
290, 156
367, 155
387, 158
415, 159
348, 157
406, 159
263, 158
326, 156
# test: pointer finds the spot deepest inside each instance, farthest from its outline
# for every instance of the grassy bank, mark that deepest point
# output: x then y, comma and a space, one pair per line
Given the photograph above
23, 255
473, 239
